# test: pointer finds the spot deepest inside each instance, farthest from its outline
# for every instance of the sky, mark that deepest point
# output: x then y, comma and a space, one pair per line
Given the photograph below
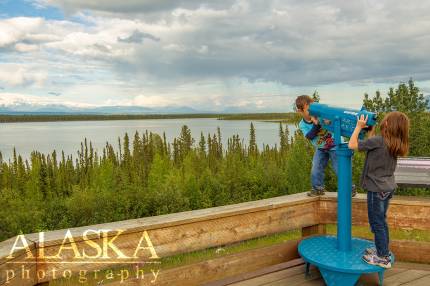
209, 55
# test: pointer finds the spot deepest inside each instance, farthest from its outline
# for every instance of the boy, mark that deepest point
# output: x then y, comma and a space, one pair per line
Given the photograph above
323, 141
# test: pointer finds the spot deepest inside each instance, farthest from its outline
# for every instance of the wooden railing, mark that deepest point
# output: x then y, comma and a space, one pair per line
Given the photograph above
201, 229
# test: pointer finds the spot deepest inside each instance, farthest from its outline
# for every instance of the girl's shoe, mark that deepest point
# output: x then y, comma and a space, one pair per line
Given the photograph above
372, 251
374, 259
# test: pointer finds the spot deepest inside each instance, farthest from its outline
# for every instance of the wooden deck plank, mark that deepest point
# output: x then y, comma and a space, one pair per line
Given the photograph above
405, 277
316, 282
316, 279
423, 281
297, 279
261, 272
373, 279
272, 277
410, 265
400, 274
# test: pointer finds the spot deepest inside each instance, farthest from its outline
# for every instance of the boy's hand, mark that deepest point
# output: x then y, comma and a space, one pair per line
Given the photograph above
361, 122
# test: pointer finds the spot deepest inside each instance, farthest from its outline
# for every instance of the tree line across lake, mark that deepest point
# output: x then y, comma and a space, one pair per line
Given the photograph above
148, 176
10, 118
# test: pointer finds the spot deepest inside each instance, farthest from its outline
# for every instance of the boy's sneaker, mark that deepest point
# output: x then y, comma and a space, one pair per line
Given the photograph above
316, 192
354, 191
373, 259
313, 193
321, 190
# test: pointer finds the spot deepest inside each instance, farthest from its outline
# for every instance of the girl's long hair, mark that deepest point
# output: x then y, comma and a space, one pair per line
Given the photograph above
395, 131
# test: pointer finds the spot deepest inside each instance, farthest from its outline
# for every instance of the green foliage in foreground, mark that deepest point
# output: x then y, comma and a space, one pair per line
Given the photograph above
146, 177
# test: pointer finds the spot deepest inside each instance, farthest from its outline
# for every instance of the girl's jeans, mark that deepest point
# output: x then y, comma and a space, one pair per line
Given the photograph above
377, 206
319, 163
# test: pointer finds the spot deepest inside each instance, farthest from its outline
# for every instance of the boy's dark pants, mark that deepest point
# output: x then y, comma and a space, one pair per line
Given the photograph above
377, 206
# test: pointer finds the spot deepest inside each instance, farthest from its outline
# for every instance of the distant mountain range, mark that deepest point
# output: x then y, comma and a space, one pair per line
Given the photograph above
25, 108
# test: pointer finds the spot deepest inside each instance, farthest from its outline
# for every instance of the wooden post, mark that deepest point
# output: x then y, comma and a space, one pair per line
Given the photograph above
313, 230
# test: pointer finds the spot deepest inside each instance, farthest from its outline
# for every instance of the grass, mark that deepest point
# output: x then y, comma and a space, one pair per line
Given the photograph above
187, 258
397, 234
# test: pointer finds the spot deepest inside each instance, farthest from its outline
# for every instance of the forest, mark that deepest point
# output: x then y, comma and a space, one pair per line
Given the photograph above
288, 117
144, 175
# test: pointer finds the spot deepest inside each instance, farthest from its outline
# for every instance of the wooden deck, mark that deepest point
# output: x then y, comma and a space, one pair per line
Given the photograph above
292, 273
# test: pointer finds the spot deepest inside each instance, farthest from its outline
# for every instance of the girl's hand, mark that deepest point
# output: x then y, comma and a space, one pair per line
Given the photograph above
361, 122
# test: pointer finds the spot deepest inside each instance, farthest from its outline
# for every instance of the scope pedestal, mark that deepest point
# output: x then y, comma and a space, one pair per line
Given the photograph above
339, 258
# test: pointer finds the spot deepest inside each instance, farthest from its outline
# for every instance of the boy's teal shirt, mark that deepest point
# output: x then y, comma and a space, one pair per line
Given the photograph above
323, 140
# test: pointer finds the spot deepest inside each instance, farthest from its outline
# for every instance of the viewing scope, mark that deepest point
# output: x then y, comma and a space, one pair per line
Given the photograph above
341, 121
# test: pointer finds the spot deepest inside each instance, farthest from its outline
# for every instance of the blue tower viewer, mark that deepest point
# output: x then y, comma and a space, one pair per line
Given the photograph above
339, 258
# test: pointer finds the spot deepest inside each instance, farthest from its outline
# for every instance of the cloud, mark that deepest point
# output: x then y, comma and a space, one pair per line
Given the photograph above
15, 74
22, 47
15, 29
8, 99
293, 42
137, 37
228, 52
132, 6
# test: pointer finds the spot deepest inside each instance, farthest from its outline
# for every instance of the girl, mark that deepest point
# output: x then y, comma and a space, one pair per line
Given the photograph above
377, 177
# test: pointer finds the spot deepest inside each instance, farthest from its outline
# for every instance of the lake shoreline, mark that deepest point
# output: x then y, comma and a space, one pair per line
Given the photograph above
9, 118
45, 137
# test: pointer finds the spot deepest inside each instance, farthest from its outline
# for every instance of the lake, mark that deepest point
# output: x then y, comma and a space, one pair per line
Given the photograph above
68, 135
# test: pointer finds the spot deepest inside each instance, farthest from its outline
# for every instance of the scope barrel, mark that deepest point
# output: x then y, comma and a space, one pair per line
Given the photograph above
346, 116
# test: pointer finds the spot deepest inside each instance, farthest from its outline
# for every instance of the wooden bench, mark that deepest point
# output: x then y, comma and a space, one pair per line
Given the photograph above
413, 172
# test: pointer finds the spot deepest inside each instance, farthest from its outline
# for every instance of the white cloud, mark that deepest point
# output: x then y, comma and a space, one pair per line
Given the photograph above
21, 47
15, 29
15, 74
8, 99
143, 100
